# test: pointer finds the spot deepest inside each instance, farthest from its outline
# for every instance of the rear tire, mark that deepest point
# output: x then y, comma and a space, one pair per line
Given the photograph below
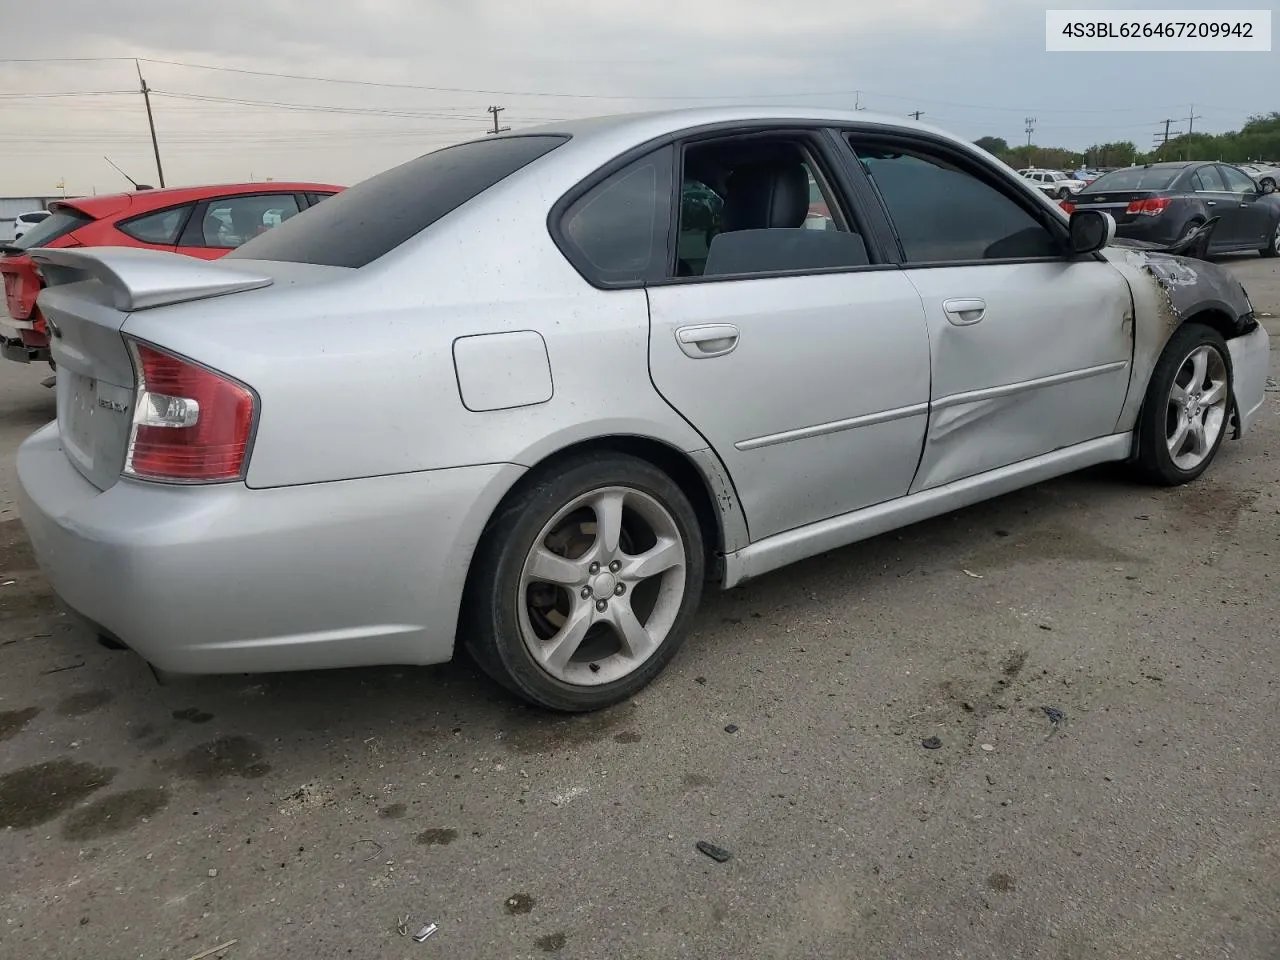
1187, 409
548, 611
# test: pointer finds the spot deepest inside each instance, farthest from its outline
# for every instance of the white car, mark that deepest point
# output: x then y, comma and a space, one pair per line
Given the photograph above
1054, 183
1263, 173
25, 221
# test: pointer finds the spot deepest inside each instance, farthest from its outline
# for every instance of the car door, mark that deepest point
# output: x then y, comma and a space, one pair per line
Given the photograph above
1252, 219
801, 355
221, 224
1030, 349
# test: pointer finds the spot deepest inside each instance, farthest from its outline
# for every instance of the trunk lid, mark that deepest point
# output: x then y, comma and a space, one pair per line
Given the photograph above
90, 294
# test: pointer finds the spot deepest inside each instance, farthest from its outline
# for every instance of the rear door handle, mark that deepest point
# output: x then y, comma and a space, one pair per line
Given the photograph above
962, 312
1211, 203
707, 340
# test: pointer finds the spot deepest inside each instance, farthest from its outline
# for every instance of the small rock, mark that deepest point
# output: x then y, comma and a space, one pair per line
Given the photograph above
931, 743
1055, 715
987, 748
718, 854
701, 681
213, 872
731, 728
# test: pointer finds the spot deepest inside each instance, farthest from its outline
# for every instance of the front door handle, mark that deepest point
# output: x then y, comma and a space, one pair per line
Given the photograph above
707, 340
962, 313
1211, 203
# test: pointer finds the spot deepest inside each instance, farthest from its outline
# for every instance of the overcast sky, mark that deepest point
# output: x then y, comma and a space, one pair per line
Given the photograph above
976, 67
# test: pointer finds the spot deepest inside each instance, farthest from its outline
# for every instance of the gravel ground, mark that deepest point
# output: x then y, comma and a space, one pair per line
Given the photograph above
304, 815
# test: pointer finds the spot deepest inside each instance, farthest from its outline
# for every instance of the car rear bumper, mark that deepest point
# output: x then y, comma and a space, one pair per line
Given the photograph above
1250, 367
227, 579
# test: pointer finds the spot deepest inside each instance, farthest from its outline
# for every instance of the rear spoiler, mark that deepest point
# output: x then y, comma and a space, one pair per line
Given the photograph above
139, 279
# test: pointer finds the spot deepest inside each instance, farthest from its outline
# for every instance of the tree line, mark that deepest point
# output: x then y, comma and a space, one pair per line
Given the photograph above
1258, 139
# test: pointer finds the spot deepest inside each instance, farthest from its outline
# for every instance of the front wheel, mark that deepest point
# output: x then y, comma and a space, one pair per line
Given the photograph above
585, 582
1063, 193
1187, 407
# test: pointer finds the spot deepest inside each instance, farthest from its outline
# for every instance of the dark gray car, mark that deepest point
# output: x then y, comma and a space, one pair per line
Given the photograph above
1165, 202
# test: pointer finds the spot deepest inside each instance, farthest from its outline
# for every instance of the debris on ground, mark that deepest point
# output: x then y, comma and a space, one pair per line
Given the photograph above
987, 747
214, 950
425, 932
931, 743
718, 854
970, 573
700, 681
731, 728
1055, 715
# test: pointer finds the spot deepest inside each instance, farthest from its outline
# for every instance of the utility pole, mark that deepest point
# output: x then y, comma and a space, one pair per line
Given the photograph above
151, 122
1030, 128
857, 100
915, 114
1191, 120
497, 129
1162, 139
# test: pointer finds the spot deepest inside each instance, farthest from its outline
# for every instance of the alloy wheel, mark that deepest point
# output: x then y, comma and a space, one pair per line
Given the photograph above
602, 586
1197, 409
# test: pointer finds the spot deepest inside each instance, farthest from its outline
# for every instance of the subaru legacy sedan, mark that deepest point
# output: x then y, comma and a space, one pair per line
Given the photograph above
505, 397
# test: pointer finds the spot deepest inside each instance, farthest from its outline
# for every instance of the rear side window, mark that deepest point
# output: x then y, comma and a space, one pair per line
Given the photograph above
372, 218
617, 231
160, 227
54, 227
1135, 178
1207, 179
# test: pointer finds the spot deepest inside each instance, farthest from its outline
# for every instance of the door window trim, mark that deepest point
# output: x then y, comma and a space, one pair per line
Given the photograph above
1023, 195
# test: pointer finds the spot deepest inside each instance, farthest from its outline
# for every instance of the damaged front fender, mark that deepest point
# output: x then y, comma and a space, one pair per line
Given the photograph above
1169, 290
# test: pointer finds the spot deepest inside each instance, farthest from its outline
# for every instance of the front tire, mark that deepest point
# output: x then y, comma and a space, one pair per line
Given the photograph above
585, 582
1187, 408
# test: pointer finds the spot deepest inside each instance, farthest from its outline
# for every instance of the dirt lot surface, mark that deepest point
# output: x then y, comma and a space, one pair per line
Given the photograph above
1097, 659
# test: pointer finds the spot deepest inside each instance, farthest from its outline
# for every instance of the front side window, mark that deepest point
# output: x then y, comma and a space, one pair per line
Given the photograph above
943, 213
617, 231
160, 228
237, 220
760, 206
1237, 182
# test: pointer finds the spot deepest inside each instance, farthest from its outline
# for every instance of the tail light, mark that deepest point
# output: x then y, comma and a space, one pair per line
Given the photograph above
1067, 205
1151, 207
190, 424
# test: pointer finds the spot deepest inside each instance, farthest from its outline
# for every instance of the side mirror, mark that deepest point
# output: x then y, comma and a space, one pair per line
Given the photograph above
1090, 230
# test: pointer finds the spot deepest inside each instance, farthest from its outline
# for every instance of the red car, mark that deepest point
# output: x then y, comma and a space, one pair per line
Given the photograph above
204, 222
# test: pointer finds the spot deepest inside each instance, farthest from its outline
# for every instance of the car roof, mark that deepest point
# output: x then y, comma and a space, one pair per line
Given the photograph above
140, 201
631, 129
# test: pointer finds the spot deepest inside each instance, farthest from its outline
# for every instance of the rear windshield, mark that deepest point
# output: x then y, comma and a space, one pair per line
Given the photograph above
1136, 178
359, 225
53, 227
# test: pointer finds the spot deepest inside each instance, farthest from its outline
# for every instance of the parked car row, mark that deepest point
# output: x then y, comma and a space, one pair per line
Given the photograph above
205, 222
1162, 203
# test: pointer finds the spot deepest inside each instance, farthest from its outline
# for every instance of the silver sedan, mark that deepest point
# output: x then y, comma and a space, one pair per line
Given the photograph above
533, 392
